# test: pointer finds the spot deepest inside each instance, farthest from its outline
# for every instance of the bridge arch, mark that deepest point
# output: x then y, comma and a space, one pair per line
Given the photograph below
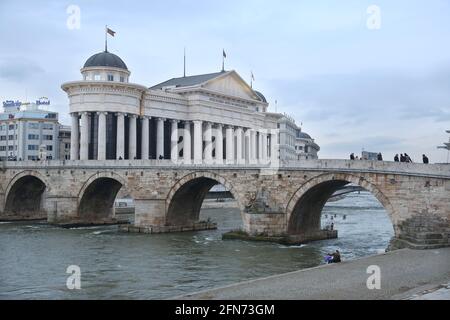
24, 196
304, 209
97, 195
185, 198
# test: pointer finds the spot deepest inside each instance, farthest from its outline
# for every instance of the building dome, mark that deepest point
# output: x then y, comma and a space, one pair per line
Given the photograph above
303, 135
260, 96
105, 59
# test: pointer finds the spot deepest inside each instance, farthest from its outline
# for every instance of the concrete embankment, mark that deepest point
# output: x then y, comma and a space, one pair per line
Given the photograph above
403, 273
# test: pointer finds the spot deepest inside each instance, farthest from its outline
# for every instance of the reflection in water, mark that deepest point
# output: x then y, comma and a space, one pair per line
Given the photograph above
34, 257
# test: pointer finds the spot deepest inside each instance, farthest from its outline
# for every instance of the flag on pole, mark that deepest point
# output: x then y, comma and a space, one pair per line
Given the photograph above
108, 30
224, 54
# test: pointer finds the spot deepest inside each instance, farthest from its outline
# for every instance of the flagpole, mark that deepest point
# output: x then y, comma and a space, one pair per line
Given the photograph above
251, 80
223, 60
184, 63
106, 38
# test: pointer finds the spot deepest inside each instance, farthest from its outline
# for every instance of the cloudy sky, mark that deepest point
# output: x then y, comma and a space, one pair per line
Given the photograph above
352, 87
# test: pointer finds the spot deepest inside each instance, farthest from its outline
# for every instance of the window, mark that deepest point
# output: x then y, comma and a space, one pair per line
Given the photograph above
32, 157
11, 137
122, 79
2, 127
49, 148
2, 138
110, 77
47, 126
33, 125
97, 77
49, 157
10, 148
47, 137
33, 147
2, 148
33, 137
50, 116
11, 127
67, 145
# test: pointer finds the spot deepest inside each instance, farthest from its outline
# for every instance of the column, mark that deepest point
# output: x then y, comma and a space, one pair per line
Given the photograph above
208, 142
145, 143
247, 145
174, 141
219, 144
264, 147
120, 146
198, 141
253, 142
229, 140
160, 138
239, 158
101, 144
132, 145
84, 138
187, 142
74, 137
273, 147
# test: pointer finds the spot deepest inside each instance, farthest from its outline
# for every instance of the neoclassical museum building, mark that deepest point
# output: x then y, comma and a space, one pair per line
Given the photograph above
214, 117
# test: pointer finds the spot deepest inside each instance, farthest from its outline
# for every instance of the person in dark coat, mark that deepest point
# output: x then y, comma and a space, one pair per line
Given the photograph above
425, 159
396, 159
352, 156
402, 158
379, 156
408, 158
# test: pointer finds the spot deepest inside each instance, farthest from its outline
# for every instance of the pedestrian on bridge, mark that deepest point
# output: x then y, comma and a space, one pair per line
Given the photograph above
425, 159
396, 158
379, 156
352, 156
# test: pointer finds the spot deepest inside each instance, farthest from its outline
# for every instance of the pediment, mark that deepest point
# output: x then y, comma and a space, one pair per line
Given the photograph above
230, 83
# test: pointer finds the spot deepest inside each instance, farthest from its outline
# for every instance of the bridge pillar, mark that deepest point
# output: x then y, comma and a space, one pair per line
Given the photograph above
61, 209
149, 212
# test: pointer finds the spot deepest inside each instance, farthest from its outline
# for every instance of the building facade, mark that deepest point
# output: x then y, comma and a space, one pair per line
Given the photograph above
28, 132
305, 147
64, 142
213, 117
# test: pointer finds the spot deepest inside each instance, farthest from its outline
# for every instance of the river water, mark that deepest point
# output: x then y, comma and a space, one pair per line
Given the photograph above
34, 256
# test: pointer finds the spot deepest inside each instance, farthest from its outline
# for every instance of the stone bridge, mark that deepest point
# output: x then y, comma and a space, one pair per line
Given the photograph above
273, 202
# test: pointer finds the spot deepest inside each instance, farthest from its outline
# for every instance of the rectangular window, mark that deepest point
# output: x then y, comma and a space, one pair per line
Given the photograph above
11, 127
33, 125
32, 157
49, 157
67, 145
10, 148
33, 147
47, 126
11, 137
97, 77
2, 127
49, 148
2, 148
2, 138
47, 137
122, 79
110, 77
33, 137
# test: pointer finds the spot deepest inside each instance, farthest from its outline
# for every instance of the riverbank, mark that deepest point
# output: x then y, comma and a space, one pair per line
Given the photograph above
404, 273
